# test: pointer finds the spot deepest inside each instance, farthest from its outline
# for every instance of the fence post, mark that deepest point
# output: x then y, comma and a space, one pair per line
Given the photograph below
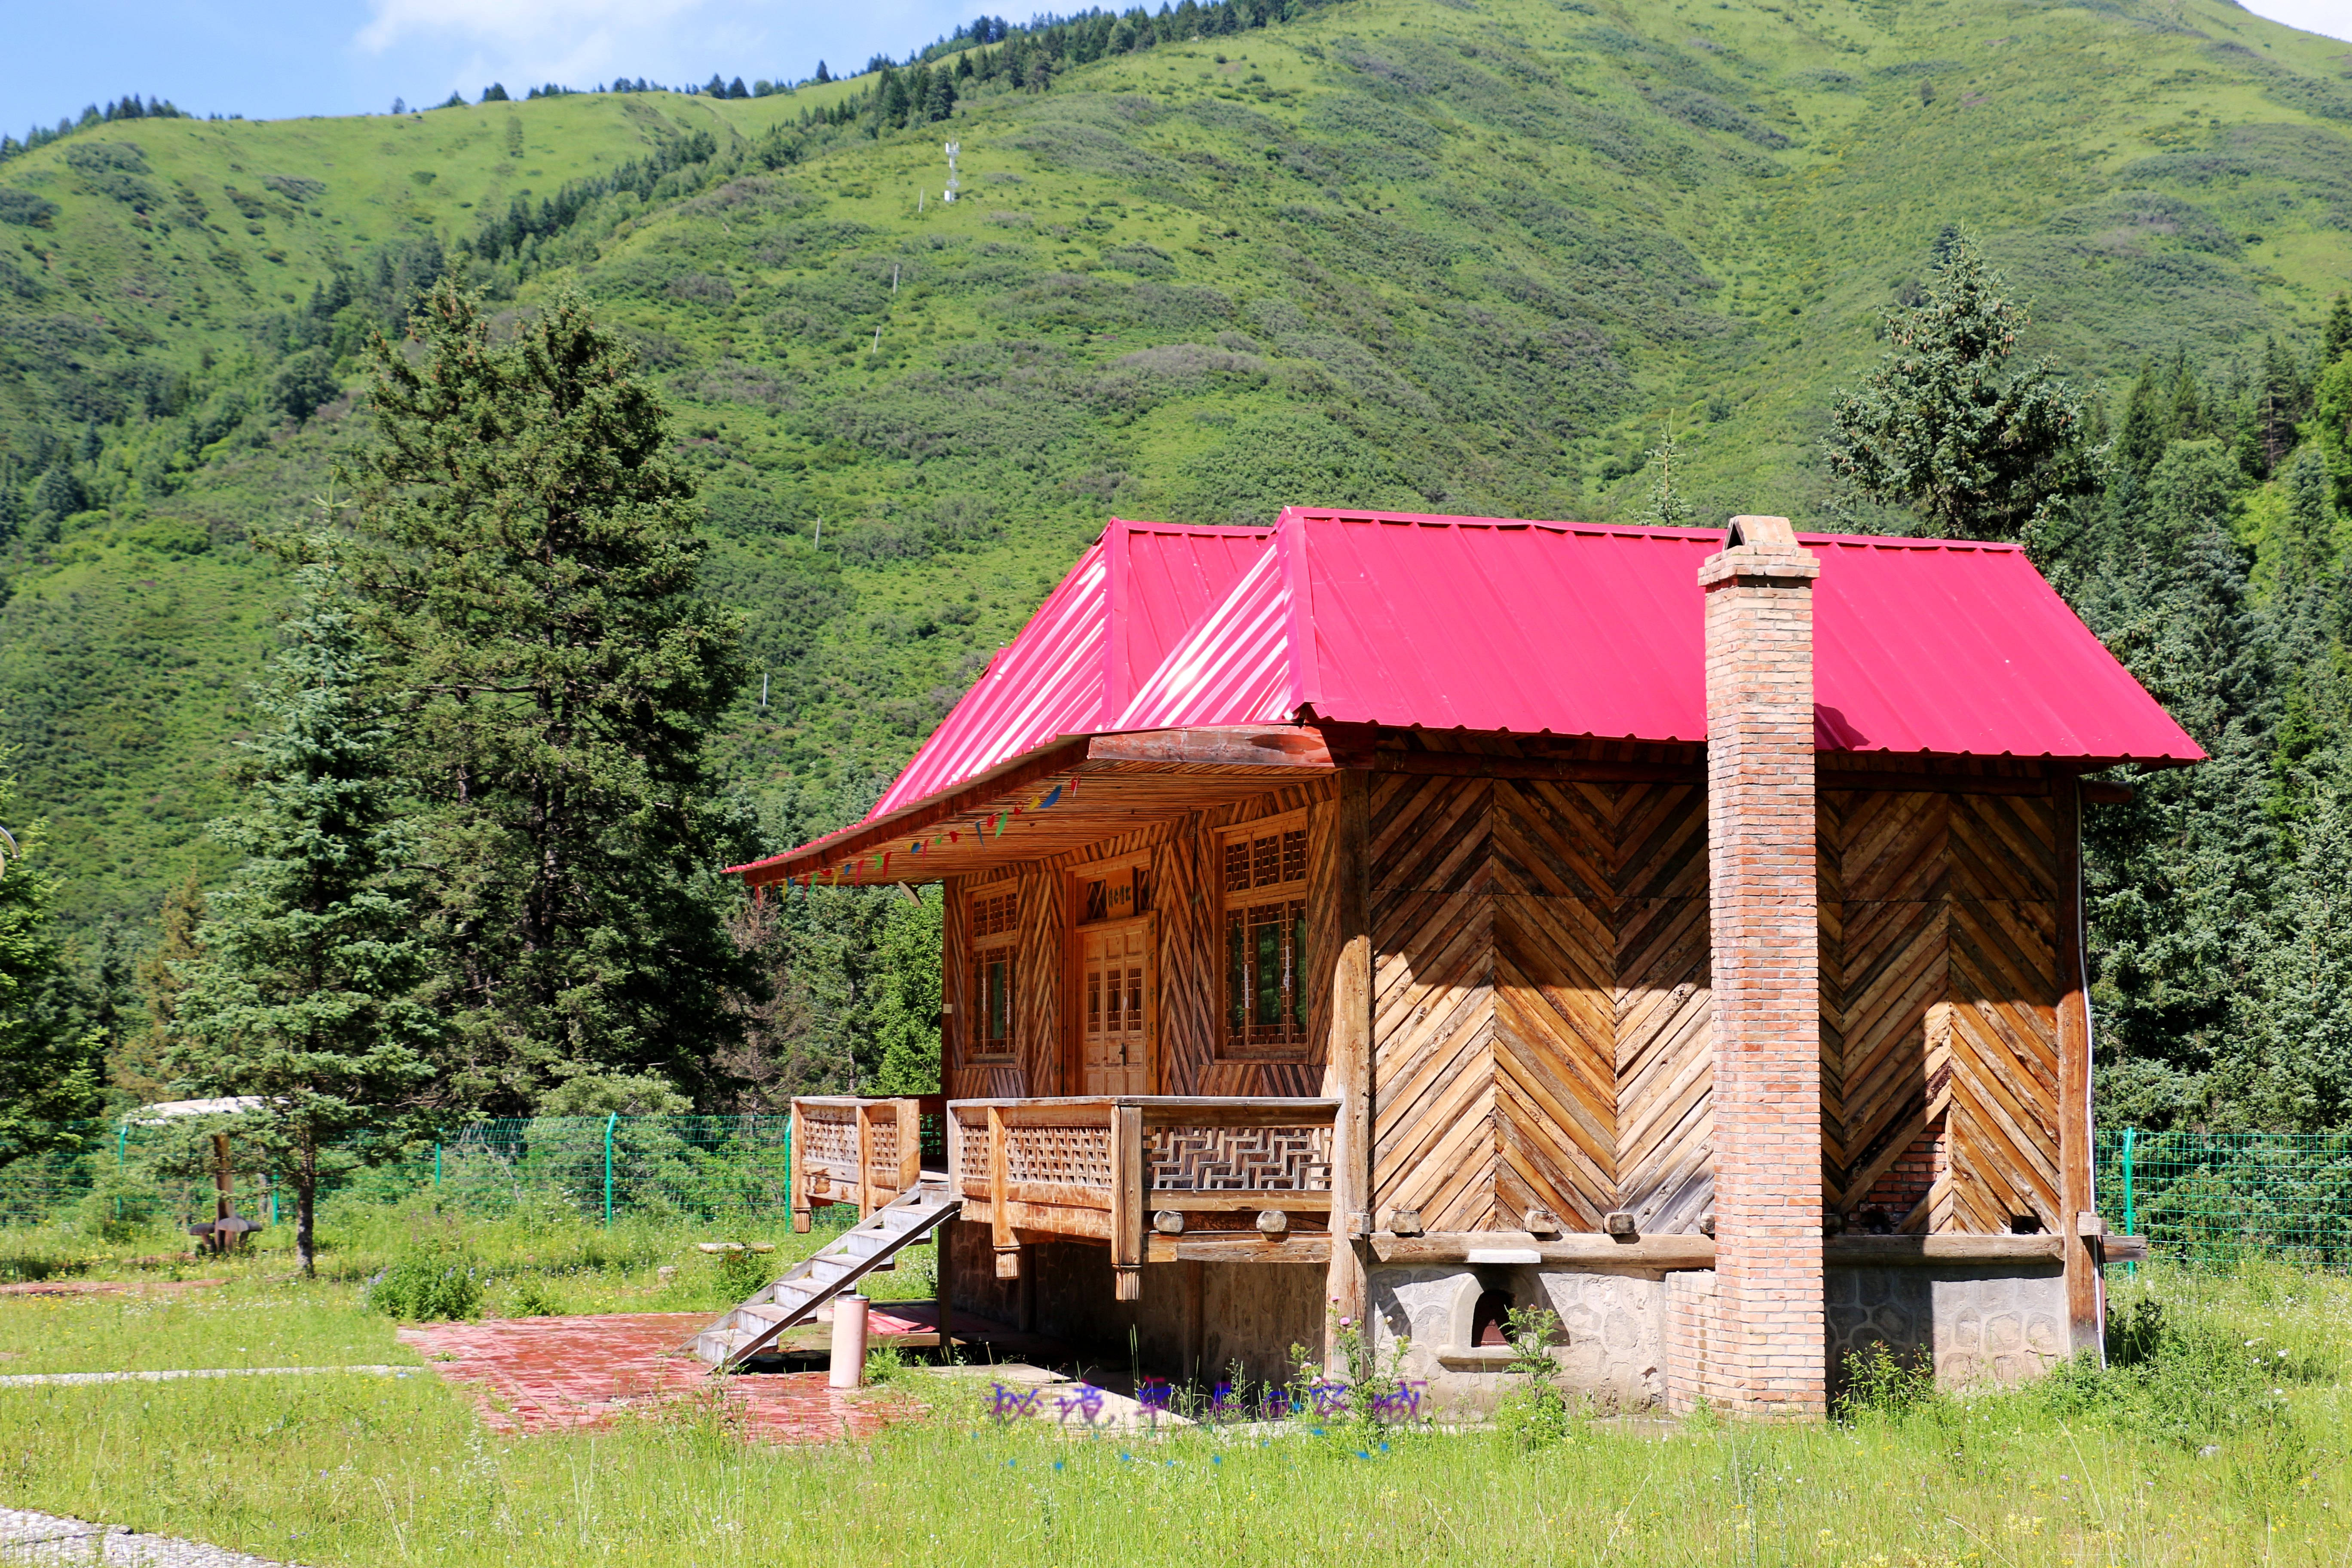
436, 1165
2131, 1224
121, 1138
611, 1118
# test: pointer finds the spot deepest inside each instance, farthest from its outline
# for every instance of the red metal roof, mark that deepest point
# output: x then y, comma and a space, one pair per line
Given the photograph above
1922, 646
1531, 627
1104, 628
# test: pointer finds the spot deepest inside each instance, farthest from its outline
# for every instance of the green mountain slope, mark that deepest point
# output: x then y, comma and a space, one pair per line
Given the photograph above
1477, 256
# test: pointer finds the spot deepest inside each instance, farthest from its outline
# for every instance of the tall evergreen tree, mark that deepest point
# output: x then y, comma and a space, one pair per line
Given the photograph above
530, 559
138, 1068
50, 1056
307, 994
1945, 426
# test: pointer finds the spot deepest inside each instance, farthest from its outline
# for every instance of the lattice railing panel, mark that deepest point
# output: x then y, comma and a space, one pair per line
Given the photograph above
1239, 1159
829, 1135
1077, 1156
882, 1143
971, 1157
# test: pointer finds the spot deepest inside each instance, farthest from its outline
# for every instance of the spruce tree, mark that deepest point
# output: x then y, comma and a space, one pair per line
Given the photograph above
138, 1069
50, 1059
307, 994
531, 564
1945, 426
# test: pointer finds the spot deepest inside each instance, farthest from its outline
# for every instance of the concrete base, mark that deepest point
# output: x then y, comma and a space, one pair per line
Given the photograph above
1627, 1342
1628, 1330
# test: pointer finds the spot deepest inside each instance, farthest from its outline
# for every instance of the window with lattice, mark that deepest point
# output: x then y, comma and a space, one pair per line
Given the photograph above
994, 932
1263, 878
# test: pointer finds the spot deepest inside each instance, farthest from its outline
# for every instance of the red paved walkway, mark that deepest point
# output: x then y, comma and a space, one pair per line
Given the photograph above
546, 1374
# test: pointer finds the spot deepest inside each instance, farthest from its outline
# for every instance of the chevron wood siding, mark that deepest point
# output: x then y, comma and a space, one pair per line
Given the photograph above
1540, 1001
1939, 991
1039, 980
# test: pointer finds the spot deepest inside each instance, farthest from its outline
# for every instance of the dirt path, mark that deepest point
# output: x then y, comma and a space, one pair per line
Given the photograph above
27, 1537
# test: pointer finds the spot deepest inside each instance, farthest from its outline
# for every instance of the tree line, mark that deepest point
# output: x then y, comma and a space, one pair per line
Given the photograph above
481, 839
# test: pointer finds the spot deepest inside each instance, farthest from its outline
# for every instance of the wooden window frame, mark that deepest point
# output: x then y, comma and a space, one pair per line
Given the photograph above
1236, 944
990, 942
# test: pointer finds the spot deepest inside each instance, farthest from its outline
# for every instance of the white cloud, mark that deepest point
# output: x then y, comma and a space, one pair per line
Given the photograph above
2332, 18
558, 26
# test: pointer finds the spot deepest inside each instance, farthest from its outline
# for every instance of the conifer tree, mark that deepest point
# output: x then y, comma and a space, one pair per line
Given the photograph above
49, 1058
1945, 426
530, 561
138, 1070
306, 997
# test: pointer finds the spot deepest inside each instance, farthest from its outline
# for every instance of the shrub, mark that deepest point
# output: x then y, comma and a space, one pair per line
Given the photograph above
1881, 1386
424, 1287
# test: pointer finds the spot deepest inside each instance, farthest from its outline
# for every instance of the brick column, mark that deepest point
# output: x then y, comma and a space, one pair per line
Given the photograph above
1766, 1350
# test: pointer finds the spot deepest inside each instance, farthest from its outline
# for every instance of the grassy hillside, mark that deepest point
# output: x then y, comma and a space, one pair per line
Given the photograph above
1476, 255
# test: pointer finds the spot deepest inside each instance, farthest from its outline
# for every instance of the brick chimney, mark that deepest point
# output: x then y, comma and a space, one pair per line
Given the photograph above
1765, 1348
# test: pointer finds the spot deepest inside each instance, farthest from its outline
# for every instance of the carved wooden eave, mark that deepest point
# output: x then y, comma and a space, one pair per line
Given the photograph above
1122, 782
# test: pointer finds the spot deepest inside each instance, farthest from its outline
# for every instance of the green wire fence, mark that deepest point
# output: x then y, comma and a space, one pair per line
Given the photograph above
600, 1168
2209, 1199
2213, 1199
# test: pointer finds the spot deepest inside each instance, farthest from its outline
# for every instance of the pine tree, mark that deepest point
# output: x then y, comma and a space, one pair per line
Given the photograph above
2335, 338
822, 75
1666, 507
531, 555
907, 1014
494, 93
50, 1059
1945, 427
138, 1069
306, 995
2331, 426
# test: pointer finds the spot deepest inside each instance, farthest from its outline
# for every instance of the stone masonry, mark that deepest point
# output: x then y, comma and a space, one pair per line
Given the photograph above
1763, 1329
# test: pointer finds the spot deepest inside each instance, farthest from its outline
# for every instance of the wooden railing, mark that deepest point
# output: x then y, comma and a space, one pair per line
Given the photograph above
851, 1151
1119, 1169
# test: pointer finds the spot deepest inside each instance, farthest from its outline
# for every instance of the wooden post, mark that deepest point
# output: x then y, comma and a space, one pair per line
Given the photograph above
943, 1286
224, 1195
795, 1183
1128, 1192
1195, 1320
865, 1160
1348, 1072
1000, 1210
910, 1145
2085, 1298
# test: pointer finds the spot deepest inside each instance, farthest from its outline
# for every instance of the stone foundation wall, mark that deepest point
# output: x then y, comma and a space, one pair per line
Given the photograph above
1980, 1323
1615, 1324
1637, 1342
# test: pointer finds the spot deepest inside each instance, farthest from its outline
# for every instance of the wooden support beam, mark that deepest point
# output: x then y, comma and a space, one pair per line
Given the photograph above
1470, 764
2086, 1306
1587, 1250
1195, 1325
796, 1183
910, 1145
1128, 1192
1000, 1209
1831, 776
1244, 746
1239, 1247
1348, 1056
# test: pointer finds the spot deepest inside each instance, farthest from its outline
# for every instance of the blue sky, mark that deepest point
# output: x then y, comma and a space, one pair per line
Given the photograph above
273, 59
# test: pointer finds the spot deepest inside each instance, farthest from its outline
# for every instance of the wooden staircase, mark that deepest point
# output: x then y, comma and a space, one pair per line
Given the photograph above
826, 1273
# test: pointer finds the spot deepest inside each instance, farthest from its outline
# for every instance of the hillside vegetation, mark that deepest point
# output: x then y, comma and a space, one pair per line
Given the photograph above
1479, 255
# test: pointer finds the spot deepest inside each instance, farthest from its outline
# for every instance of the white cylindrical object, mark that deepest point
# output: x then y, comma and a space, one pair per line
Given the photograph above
848, 1341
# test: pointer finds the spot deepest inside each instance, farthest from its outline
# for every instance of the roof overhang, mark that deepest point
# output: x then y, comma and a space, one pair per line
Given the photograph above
1078, 791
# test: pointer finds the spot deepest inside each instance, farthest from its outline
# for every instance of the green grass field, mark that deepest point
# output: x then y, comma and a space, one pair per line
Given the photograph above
2189, 1457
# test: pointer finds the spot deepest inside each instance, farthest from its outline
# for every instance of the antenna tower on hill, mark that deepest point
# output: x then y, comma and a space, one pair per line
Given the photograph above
949, 193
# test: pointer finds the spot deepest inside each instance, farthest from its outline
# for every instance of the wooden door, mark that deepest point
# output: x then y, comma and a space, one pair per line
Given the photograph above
1115, 1005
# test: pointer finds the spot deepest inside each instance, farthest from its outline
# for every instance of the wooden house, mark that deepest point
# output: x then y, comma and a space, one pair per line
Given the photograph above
1402, 918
